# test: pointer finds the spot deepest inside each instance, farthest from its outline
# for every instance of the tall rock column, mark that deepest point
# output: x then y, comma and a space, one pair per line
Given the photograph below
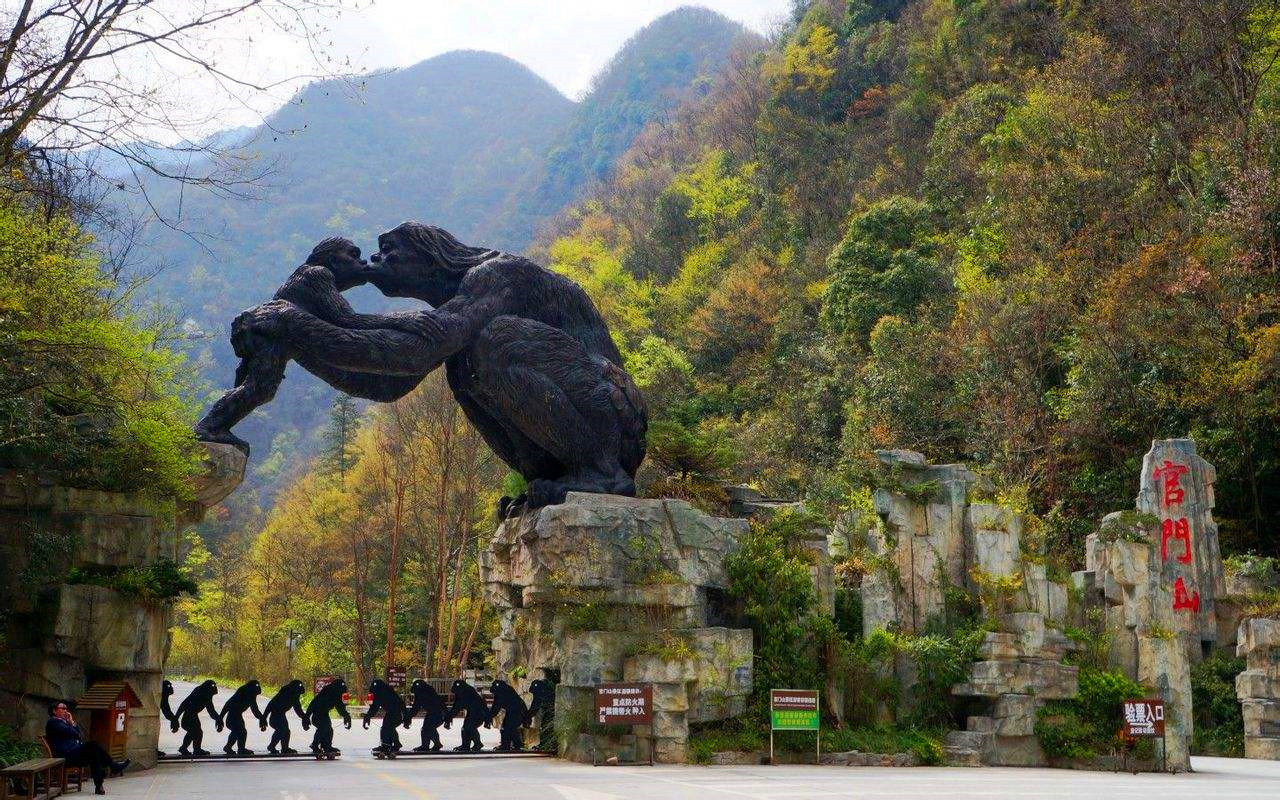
1177, 488
1258, 687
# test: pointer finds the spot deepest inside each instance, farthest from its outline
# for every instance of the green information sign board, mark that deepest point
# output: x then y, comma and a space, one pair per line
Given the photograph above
794, 710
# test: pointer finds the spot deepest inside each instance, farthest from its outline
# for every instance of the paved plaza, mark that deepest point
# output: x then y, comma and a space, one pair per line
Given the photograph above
358, 776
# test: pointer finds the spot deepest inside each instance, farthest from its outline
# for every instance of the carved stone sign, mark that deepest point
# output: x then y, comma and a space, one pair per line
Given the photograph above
1177, 488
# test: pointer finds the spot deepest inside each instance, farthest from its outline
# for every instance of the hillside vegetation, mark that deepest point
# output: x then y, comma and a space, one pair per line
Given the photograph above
1029, 235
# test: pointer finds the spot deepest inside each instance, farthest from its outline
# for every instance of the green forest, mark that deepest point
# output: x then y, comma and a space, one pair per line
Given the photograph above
1031, 236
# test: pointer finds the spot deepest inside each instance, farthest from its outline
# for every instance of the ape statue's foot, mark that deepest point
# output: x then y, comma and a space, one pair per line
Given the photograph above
208, 434
546, 493
289, 751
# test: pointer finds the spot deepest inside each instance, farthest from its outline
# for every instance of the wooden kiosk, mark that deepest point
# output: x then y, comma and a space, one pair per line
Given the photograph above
108, 703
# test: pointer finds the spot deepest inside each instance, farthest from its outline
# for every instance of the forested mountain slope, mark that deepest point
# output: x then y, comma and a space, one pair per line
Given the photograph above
1028, 235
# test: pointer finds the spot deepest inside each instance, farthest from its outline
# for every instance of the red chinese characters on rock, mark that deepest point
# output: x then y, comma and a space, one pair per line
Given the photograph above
1177, 530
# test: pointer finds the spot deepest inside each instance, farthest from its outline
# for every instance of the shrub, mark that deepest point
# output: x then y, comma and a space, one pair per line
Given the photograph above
1090, 723
1219, 725
163, 580
13, 750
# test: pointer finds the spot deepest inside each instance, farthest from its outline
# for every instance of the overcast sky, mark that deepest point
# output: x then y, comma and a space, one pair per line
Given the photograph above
564, 41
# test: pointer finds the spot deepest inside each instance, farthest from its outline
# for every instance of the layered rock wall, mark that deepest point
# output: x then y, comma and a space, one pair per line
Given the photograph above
1258, 687
58, 638
603, 589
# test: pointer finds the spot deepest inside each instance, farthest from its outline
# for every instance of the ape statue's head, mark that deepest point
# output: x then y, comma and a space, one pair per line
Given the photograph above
341, 257
296, 686
376, 686
252, 687
166, 688
423, 262
209, 686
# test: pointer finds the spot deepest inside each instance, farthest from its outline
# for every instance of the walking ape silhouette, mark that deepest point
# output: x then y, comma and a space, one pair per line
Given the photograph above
389, 702
514, 715
244, 699
466, 698
526, 353
544, 707
316, 287
289, 698
327, 699
427, 700
188, 716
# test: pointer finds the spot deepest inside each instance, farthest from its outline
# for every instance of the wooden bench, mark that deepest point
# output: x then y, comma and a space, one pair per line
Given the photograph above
32, 774
69, 772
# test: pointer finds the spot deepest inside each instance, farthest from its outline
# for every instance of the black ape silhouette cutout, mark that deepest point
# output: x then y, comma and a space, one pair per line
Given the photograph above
244, 699
466, 698
389, 702
188, 716
544, 707
514, 714
328, 699
316, 287
427, 700
526, 353
289, 698
166, 691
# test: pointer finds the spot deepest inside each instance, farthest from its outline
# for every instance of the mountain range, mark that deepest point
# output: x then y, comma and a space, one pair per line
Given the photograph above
471, 141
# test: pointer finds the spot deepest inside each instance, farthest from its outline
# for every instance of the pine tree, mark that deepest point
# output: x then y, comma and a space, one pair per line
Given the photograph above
339, 436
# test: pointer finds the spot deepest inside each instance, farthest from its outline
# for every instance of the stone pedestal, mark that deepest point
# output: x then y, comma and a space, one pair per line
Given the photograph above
603, 589
58, 638
1258, 687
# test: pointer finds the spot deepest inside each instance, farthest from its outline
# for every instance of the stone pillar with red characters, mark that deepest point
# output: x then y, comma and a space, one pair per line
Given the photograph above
1177, 488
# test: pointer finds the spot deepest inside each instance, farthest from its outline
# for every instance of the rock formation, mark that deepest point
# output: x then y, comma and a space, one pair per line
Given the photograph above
59, 637
604, 588
1258, 687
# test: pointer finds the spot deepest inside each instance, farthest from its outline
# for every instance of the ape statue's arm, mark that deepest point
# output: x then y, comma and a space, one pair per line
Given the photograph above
443, 332
373, 708
217, 718
253, 706
342, 712
317, 291
297, 709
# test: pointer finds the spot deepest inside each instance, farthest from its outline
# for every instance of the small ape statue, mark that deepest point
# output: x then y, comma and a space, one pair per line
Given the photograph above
544, 704
333, 267
466, 698
328, 699
514, 712
427, 700
289, 698
166, 691
244, 699
188, 716
389, 702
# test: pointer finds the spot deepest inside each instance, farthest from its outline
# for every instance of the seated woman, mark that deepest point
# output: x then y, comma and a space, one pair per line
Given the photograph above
66, 740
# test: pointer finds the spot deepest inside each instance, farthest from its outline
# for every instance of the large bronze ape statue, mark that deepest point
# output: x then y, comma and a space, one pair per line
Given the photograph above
468, 700
526, 353
544, 710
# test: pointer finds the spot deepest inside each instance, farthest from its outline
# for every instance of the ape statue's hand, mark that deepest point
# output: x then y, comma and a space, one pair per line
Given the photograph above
365, 724
448, 723
406, 722
218, 725
306, 726
347, 723
174, 727
262, 726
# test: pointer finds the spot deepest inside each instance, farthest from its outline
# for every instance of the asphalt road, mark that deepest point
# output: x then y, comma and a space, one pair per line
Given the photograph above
358, 776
